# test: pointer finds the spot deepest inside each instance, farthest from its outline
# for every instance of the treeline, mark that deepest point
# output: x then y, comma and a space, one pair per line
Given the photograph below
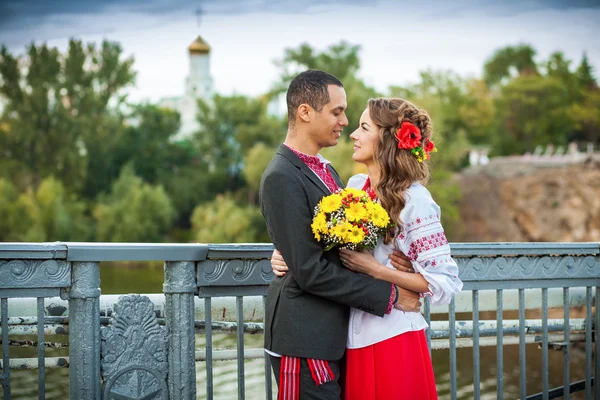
79, 162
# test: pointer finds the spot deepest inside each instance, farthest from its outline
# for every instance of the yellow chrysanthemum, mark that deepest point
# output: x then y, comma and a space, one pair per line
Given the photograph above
379, 216
356, 235
370, 206
319, 223
356, 212
330, 203
342, 230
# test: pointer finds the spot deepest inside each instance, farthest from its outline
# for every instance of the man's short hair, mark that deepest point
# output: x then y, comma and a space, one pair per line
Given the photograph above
309, 87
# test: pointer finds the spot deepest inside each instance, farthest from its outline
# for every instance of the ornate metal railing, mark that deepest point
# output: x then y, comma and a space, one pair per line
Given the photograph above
144, 346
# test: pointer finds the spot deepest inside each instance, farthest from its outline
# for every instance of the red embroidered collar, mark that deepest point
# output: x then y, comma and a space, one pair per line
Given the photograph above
367, 188
319, 166
308, 159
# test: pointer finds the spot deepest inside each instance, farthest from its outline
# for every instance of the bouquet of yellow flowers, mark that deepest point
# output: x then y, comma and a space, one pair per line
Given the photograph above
350, 219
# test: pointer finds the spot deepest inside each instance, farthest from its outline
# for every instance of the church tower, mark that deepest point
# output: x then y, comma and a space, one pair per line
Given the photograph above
198, 83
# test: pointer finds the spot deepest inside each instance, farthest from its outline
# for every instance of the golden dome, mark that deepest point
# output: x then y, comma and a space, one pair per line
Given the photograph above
199, 46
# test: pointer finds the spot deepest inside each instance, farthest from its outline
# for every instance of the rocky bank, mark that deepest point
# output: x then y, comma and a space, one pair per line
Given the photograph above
519, 200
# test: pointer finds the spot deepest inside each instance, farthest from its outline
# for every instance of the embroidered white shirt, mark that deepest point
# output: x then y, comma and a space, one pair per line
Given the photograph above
423, 240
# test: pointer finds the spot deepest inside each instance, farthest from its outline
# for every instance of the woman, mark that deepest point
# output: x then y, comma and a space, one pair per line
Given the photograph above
388, 358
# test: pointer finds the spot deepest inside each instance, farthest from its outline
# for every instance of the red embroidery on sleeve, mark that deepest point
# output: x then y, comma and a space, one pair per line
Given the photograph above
426, 243
391, 303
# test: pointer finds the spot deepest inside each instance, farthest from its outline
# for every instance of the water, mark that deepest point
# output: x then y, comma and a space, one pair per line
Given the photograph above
150, 280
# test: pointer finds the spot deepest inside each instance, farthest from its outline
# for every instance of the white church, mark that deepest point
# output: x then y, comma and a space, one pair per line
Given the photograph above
198, 85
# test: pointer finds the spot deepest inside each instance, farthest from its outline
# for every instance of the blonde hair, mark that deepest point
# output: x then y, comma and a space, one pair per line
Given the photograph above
399, 168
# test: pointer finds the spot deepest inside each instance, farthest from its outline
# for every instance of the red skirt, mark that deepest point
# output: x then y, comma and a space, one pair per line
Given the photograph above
397, 368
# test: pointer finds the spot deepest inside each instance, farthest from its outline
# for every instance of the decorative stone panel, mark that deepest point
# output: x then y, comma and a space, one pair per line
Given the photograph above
527, 268
134, 352
28, 274
234, 272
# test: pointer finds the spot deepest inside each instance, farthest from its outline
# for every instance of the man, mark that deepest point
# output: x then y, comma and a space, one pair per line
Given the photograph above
307, 310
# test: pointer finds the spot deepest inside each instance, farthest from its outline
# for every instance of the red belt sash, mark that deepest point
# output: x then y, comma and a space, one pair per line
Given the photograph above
289, 376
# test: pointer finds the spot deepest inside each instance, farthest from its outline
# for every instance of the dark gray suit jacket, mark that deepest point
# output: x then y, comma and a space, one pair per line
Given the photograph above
307, 311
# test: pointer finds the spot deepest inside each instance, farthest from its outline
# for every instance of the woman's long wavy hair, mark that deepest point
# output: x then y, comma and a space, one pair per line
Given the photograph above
399, 168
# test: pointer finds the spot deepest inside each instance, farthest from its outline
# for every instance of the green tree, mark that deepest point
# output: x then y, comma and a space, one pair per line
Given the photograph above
585, 74
508, 62
341, 60
585, 110
190, 185
447, 194
49, 213
95, 79
532, 111
450, 90
59, 110
586, 115
34, 113
11, 215
134, 211
147, 144
229, 127
559, 68
177, 166
478, 112
269, 130
255, 163
105, 155
61, 215
224, 221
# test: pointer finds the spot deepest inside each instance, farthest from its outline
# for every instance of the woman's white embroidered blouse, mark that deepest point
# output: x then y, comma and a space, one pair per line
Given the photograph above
423, 240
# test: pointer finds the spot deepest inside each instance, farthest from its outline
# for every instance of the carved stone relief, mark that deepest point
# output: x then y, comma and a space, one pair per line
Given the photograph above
234, 272
134, 352
520, 268
34, 274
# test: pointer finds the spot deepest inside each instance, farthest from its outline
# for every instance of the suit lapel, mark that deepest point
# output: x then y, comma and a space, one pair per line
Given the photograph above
287, 153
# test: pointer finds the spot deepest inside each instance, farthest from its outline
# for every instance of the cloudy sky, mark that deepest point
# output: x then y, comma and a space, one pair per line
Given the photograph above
398, 38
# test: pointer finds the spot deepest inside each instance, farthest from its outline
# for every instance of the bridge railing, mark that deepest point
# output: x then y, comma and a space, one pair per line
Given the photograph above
146, 344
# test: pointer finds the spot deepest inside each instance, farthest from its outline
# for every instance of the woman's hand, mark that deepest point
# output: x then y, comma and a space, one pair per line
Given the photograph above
399, 261
360, 261
278, 265
403, 277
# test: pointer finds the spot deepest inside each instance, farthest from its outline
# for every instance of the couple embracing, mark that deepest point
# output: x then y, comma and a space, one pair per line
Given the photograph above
341, 323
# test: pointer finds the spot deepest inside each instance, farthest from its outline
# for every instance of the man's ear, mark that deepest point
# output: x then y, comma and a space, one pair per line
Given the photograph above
305, 112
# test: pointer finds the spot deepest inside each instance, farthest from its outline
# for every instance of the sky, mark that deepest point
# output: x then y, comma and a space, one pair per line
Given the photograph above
397, 38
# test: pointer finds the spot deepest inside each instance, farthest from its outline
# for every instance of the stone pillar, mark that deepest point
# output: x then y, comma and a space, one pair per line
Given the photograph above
84, 331
180, 289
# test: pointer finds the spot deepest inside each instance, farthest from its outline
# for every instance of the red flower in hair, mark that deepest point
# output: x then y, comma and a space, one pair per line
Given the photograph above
409, 136
429, 145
